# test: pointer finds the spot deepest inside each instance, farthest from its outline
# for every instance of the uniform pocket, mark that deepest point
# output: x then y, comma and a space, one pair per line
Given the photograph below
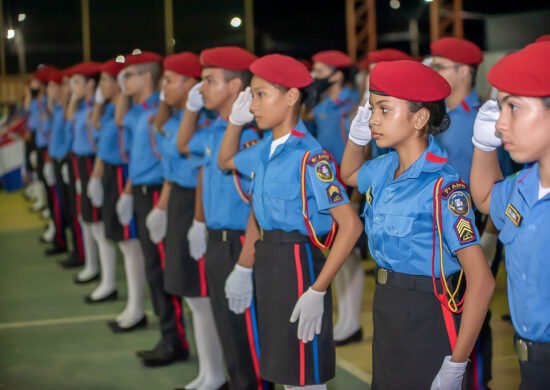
397, 237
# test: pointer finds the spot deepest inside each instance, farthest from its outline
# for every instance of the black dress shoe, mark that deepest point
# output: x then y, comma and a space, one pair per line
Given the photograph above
71, 262
111, 297
116, 328
163, 355
84, 281
55, 250
354, 338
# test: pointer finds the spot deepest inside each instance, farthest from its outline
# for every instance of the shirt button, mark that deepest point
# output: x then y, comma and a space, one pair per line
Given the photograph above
394, 231
377, 218
378, 253
532, 227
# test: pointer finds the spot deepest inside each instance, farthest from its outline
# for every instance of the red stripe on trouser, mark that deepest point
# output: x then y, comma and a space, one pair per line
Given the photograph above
300, 280
449, 324
175, 301
76, 179
78, 234
89, 168
57, 218
202, 278
120, 185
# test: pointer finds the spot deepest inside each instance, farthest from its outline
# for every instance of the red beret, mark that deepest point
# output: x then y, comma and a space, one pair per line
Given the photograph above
335, 58
409, 80
523, 73
544, 38
186, 63
112, 67
282, 70
42, 74
86, 68
56, 76
142, 58
227, 57
457, 50
307, 64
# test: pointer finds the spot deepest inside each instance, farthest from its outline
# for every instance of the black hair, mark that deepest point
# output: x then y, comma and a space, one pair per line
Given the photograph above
152, 68
439, 119
349, 73
244, 75
473, 74
94, 77
303, 92
546, 101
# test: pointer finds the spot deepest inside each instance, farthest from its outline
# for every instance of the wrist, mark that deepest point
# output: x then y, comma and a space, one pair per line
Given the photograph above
243, 269
357, 142
317, 290
482, 147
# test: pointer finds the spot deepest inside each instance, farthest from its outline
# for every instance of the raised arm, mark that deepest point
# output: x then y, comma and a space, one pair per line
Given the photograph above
188, 124
355, 152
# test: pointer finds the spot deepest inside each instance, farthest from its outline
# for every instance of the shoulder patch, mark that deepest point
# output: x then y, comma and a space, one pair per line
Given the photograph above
451, 187
334, 193
368, 196
464, 230
318, 157
513, 214
459, 203
323, 171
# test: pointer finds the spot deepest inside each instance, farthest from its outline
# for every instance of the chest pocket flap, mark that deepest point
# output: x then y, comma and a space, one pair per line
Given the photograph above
398, 226
280, 190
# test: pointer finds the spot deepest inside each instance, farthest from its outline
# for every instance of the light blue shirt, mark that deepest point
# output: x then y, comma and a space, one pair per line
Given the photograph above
59, 145
111, 145
85, 136
35, 106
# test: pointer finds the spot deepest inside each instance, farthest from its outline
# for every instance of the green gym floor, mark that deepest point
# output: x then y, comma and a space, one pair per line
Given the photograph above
51, 339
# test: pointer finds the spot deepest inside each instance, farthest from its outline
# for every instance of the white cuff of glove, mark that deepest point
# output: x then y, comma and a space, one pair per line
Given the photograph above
480, 146
242, 269
98, 98
357, 141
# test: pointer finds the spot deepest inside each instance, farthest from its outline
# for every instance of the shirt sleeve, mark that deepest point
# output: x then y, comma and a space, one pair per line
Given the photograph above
247, 160
500, 196
323, 183
198, 142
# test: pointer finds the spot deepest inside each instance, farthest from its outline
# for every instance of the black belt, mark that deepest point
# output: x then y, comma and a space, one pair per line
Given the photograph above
421, 283
224, 235
282, 236
182, 188
145, 189
531, 351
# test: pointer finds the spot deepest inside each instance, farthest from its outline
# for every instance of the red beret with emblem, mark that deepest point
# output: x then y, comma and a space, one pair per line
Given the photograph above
112, 67
42, 74
408, 80
282, 70
389, 54
186, 63
525, 72
142, 58
457, 50
544, 38
335, 58
85, 68
227, 57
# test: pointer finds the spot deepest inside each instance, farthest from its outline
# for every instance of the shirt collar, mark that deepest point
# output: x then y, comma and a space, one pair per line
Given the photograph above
151, 101
296, 136
469, 103
528, 185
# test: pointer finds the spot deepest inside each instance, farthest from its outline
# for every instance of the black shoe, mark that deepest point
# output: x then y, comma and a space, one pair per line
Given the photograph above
111, 297
71, 262
55, 250
116, 328
163, 355
84, 281
354, 338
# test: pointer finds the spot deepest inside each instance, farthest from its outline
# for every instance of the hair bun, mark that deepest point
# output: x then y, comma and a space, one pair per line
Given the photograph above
443, 126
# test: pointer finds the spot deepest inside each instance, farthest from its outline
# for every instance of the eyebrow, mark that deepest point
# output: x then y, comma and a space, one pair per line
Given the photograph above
507, 97
382, 101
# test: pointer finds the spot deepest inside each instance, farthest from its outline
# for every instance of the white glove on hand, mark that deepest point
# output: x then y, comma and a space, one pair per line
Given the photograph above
65, 173
162, 96
33, 159
98, 97
484, 127
197, 239
359, 132
120, 81
49, 174
194, 98
78, 186
95, 191
309, 309
449, 376
125, 209
156, 222
240, 112
238, 289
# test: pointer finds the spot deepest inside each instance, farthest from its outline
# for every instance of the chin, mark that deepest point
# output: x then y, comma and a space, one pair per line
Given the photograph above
522, 158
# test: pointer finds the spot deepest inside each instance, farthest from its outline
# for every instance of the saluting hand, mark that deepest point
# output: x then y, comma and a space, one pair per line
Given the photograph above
194, 98
238, 289
360, 132
309, 310
240, 112
485, 137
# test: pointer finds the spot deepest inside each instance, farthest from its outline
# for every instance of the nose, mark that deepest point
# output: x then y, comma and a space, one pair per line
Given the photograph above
501, 122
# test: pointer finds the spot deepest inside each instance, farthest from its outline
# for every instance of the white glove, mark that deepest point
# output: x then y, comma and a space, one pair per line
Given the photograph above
484, 127
95, 191
162, 96
359, 131
33, 159
156, 222
240, 112
197, 239
309, 309
65, 173
449, 376
78, 186
238, 289
125, 209
49, 174
120, 81
98, 97
194, 98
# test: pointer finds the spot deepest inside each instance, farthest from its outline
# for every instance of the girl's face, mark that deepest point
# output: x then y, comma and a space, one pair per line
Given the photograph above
270, 105
53, 91
215, 89
78, 86
108, 85
392, 123
134, 80
524, 123
175, 87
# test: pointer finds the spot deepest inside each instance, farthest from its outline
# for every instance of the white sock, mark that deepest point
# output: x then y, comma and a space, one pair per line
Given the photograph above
107, 260
90, 252
489, 244
353, 296
41, 198
49, 233
311, 387
209, 350
134, 267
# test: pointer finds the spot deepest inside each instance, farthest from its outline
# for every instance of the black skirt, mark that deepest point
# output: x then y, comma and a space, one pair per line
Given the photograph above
114, 180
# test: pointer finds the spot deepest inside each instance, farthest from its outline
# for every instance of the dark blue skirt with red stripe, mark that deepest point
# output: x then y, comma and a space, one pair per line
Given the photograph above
114, 179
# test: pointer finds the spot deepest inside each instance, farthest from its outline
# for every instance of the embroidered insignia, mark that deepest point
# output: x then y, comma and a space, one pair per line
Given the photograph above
513, 214
250, 143
322, 115
208, 151
334, 193
318, 157
464, 230
368, 196
459, 203
450, 188
323, 171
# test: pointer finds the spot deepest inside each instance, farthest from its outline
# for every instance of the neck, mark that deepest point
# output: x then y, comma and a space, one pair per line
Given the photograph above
408, 152
89, 96
181, 105
285, 127
143, 94
544, 171
457, 96
334, 90
225, 108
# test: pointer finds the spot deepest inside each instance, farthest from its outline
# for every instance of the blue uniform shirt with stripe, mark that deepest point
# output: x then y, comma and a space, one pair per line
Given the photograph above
35, 106
224, 207
85, 136
332, 121
58, 146
457, 140
522, 219
145, 168
111, 140
276, 182
44, 128
399, 214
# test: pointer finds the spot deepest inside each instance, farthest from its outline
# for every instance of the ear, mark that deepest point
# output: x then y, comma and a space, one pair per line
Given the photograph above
420, 118
337, 77
236, 85
292, 96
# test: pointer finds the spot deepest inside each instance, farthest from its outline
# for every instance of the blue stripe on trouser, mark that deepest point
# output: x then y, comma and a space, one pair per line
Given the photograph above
315, 344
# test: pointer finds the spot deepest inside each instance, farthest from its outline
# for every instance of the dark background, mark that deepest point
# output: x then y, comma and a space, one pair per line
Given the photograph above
53, 32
